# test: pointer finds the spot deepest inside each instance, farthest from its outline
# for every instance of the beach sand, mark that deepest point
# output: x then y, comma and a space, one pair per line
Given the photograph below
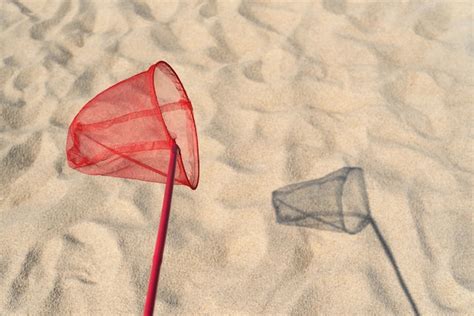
282, 92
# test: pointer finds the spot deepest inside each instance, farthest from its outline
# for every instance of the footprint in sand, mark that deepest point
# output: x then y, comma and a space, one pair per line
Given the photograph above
89, 277
81, 272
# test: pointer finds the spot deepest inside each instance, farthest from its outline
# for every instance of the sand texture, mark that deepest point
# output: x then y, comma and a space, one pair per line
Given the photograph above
283, 92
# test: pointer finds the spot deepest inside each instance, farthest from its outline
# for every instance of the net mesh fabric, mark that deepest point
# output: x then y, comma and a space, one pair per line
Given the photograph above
127, 131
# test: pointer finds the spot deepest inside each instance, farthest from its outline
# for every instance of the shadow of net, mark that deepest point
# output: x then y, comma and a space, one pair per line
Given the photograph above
337, 202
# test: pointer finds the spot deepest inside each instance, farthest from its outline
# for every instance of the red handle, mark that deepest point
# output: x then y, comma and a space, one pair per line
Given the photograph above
161, 238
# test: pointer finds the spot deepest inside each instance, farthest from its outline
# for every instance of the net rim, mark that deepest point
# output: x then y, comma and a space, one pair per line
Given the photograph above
154, 100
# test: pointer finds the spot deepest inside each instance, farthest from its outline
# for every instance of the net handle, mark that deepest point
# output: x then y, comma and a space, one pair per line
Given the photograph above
161, 238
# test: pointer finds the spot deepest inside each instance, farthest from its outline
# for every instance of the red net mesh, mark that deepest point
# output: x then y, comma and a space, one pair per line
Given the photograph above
127, 130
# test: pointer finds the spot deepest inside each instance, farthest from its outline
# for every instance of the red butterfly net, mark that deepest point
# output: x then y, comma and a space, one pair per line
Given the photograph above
140, 128
127, 131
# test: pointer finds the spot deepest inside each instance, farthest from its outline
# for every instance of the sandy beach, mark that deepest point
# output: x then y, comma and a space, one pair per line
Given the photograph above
283, 92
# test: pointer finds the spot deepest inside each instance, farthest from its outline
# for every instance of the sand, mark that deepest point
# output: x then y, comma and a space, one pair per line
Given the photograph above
282, 92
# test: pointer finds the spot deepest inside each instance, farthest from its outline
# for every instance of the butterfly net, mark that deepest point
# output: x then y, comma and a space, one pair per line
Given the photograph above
127, 131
